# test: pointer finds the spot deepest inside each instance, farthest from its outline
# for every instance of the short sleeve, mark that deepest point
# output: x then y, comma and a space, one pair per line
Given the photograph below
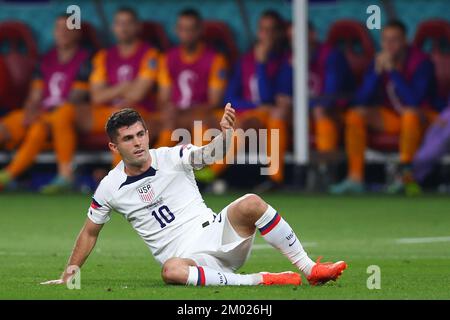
180, 156
164, 79
218, 74
98, 74
100, 211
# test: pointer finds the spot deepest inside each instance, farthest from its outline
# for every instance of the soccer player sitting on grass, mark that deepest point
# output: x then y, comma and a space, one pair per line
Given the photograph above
156, 192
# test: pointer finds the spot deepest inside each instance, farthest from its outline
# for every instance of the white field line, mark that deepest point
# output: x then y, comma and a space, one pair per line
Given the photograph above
422, 240
16, 253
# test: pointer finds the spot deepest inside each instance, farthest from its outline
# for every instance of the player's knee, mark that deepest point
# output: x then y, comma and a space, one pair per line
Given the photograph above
409, 112
37, 131
4, 134
354, 116
253, 206
174, 271
319, 113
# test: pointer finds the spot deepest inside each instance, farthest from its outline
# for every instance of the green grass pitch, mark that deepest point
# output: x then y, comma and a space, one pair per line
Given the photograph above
37, 234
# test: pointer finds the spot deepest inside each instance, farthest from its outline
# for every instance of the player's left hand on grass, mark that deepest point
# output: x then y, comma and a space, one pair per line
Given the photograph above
52, 282
228, 118
65, 277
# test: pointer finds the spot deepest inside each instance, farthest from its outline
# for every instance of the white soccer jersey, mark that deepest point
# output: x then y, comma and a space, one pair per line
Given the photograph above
162, 204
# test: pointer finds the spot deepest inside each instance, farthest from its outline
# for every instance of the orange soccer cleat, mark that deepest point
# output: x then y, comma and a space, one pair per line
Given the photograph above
321, 273
282, 278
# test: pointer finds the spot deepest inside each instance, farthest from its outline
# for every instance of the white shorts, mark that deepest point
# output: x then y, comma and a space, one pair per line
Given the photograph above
219, 246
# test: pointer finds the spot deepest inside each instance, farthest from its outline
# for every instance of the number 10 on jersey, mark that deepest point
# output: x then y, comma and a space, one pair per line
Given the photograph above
163, 215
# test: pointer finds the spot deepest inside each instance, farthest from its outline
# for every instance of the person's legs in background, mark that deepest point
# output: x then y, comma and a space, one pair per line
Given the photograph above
35, 140
279, 119
326, 129
64, 137
357, 122
413, 122
355, 145
12, 133
435, 145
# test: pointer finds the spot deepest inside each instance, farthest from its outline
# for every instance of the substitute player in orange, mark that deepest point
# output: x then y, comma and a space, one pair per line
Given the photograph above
192, 79
59, 86
395, 98
123, 75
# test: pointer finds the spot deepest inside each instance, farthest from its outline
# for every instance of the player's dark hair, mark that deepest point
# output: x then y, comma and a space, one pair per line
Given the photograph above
123, 118
129, 11
191, 13
396, 24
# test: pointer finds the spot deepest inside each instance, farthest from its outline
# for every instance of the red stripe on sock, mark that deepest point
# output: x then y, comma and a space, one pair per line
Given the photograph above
202, 276
273, 225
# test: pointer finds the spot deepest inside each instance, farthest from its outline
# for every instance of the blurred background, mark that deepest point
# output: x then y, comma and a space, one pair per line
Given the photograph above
376, 114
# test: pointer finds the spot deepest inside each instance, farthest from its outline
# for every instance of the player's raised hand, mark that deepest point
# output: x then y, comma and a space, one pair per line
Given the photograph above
228, 118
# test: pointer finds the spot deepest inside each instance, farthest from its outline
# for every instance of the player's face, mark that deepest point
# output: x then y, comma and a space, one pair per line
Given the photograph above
132, 143
268, 32
125, 27
393, 41
64, 36
188, 31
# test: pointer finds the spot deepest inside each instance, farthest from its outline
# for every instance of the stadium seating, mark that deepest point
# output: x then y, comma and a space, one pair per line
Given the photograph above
155, 34
5, 83
349, 35
89, 36
20, 55
436, 32
218, 35
93, 142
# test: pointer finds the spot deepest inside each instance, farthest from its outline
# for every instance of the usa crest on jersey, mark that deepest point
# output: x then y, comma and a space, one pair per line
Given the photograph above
146, 193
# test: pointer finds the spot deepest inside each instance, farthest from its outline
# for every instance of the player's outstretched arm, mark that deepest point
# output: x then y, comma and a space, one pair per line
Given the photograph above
218, 147
83, 246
